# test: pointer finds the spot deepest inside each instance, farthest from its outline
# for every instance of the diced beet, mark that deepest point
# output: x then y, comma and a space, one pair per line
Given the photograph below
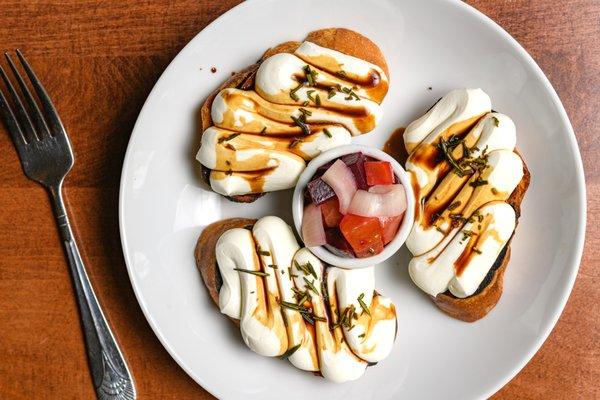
356, 163
321, 170
319, 191
337, 244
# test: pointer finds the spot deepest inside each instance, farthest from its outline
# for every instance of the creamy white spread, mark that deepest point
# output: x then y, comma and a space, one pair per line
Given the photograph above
262, 138
451, 197
267, 277
442, 269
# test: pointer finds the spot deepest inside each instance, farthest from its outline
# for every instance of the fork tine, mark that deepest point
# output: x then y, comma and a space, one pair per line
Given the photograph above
22, 117
42, 128
56, 126
10, 121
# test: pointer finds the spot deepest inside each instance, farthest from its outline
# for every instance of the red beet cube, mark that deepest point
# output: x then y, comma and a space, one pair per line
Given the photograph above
356, 163
379, 173
319, 191
337, 244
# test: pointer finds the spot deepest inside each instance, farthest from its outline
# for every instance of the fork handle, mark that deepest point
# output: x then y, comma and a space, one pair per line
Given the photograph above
111, 377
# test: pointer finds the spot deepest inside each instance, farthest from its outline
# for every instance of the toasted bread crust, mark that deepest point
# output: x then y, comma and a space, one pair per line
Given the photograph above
477, 306
340, 39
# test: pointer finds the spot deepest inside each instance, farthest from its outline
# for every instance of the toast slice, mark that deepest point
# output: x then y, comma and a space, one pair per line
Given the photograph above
488, 294
340, 39
479, 304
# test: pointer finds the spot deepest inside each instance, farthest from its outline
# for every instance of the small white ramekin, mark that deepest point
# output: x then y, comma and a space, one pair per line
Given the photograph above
403, 231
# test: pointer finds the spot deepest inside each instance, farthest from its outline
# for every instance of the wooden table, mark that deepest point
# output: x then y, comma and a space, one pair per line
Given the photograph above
99, 60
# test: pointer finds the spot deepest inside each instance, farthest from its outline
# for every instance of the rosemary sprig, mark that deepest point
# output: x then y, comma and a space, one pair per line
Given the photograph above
478, 182
263, 252
327, 133
305, 112
293, 94
446, 147
252, 272
228, 137
454, 205
311, 75
363, 305
289, 352
305, 128
294, 143
310, 285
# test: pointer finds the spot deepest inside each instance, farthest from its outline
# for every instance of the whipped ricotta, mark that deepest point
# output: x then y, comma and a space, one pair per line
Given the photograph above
266, 303
302, 104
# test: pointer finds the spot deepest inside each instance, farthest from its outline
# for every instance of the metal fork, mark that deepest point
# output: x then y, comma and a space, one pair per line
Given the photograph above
46, 157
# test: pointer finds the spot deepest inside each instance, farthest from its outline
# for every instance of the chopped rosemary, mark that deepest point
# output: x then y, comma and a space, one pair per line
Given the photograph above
446, 147
476, 250
363, 305
305, 103
327, 133
496, 121
292, 306
294, 143
310, 285
303, 299
478, 182
341, 73
229, 172
293, 94
494, 191
453, 205
305, 129
274, 266
252, 272
310, 269
350, 93
317, 318
289, 352
249, 227
362, 335
263, 252
305, 112
229, 146
332, 92
309, 94
318, 100
466, 234
308, 318
227, 138
263, 130
311, 75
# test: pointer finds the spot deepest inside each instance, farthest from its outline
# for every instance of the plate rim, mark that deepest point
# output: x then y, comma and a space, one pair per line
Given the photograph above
573, 263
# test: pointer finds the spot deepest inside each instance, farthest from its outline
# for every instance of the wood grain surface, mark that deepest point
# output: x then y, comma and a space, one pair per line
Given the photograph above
99, 60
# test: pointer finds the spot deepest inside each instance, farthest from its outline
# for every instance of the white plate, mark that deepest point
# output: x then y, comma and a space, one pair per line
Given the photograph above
438, 44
